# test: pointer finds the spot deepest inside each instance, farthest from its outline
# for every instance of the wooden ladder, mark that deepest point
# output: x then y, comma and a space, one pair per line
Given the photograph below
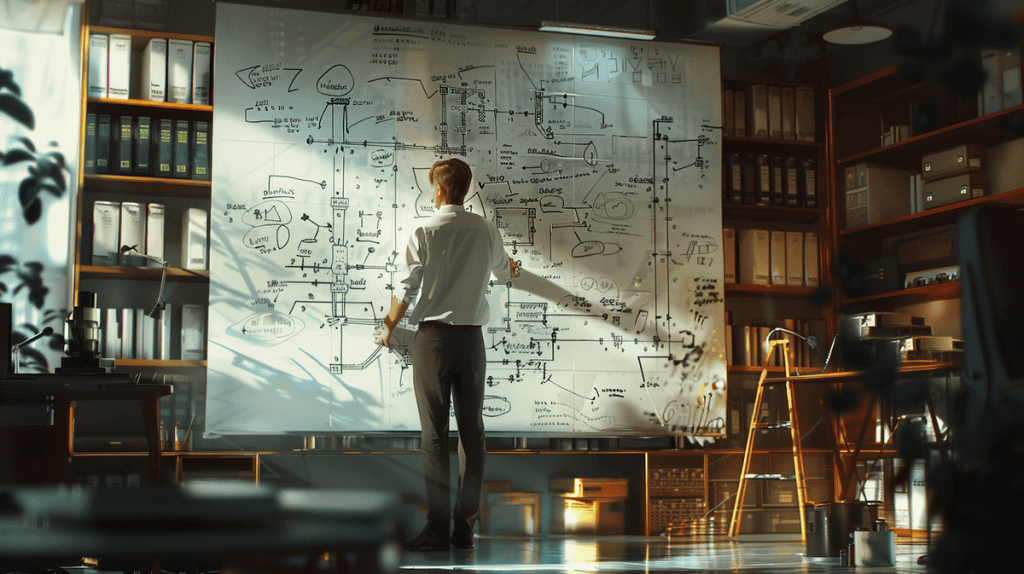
794, 432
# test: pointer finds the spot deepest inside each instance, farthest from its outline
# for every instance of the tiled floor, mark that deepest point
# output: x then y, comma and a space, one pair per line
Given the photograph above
611, 555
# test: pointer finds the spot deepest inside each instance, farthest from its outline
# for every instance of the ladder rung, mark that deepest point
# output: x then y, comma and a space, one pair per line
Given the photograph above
778, 425
771, 476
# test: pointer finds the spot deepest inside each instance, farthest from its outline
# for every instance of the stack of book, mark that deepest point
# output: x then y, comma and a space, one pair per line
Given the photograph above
145, 146
170, 70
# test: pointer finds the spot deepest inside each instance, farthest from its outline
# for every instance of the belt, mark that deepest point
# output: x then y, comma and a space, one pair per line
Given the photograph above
438, 325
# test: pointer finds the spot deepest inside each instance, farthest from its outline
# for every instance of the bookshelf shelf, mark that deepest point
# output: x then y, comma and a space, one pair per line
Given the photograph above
939, 291
769, 290
736, 211
931, 218
149, 186
123, 105
172, 364
142, 274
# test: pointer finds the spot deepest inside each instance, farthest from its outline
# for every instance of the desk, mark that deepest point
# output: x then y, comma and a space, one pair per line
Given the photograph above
66, 390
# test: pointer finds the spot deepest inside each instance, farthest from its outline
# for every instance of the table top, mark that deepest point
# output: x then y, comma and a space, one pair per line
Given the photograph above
110, 386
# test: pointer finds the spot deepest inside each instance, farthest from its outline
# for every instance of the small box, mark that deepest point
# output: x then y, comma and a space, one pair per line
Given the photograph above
881, 275
880, 195
600, 487
781, 492
954, 189
953, 161
594, 516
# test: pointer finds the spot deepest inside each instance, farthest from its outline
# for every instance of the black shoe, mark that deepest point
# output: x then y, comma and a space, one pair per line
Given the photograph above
462, 535
428, 541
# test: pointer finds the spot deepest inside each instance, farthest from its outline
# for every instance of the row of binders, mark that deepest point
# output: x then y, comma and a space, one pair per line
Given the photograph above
127, 145
135, 334
747, 344
763, 257
140, 228
761, 179
769, 112
170, 70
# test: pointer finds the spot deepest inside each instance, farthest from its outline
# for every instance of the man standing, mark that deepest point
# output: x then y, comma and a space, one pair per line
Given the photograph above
450, 260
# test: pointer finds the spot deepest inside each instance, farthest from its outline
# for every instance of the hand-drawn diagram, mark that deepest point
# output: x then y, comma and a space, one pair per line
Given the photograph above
599, 161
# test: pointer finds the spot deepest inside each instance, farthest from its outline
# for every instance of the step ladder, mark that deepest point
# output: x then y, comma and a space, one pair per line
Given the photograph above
794, 432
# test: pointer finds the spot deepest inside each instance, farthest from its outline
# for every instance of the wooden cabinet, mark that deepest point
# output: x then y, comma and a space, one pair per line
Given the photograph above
120, 287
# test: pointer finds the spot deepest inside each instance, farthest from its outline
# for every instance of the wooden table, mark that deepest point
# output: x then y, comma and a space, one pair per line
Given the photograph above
67, 390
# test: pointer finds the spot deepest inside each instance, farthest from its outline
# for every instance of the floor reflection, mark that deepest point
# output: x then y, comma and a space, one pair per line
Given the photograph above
610, 555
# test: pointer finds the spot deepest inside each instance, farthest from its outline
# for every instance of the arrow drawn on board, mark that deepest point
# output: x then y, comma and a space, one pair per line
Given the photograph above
596, 396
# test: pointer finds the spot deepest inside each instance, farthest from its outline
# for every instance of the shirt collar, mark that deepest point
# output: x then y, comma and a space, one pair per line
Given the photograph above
447, 208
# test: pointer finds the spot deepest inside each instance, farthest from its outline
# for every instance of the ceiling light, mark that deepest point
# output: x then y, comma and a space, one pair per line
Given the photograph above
597, 30
856, 31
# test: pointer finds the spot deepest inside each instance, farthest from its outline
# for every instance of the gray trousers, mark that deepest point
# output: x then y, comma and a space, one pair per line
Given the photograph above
449, 365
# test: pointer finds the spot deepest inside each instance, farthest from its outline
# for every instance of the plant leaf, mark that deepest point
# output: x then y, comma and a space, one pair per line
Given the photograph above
34, 212
28, 143
28, 191
7, 81
18, 155
35, 266
18, 110
38, 358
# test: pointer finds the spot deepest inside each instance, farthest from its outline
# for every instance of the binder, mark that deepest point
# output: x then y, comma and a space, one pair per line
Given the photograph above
990, 100
778, 181
201, 56
112, 333
145, 335
164, 142
143, 145
788, 113
728, 345
179, 71
89, 145
124, 136
811, 259
778, 257
763, 181
1009, 64
739, 113
746, 353
153, 76
154, 232
749, 179
729, 254
193, 239
757, 110
753, 264
728, 114
106, 230
102, 143
809, 183
795, 258
181, 148
193, 332
792, 183
127, 333
200, 151
98, 46
804, 98
163, 333
133, 233
734, 178
119, 66
775, 112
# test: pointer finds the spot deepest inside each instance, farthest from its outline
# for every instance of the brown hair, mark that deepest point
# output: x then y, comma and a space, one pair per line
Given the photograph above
454, 176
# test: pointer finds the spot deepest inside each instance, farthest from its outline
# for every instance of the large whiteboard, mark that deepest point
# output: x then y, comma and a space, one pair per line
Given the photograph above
599, 160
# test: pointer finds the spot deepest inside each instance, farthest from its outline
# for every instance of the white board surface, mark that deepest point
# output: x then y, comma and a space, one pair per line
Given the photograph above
599, 160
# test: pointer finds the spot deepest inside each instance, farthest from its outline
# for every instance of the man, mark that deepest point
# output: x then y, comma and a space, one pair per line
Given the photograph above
450, 260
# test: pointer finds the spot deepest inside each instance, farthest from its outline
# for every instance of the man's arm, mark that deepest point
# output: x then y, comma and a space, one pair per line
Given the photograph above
395, 315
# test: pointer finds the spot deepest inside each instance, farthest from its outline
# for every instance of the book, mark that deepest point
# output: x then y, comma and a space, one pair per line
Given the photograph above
123, 137
181, 148
98, 45
154, 233
728, 114
112, 333
164, 142
163, 333
750, 176
763, 179
729, 254
143, 145
133, 234
728, 345
201, 60
740, 113
778, 257
179, 71
1009, 65
792, 182
811, 259
805, 127
778, 181
128, 333
102, 143
119, 66
775, 112
809, 183
795, 258
106, 223
153, 71
194, 239
734, 178
145, 333
200, 151
89, 145
788, 113
193, 332
752, 262
757, 110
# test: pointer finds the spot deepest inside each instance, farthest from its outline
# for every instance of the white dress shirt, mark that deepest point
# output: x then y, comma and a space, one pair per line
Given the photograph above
450, 259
